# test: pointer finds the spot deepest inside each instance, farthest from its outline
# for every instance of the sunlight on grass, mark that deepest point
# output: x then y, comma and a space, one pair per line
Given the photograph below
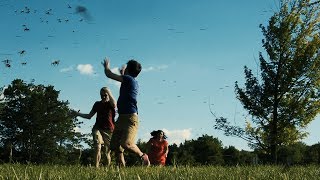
20, 171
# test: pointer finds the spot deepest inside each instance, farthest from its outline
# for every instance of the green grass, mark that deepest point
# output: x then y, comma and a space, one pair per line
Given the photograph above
19, 171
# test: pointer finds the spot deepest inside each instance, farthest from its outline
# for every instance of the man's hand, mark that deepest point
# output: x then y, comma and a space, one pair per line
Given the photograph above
106, 64
108, 73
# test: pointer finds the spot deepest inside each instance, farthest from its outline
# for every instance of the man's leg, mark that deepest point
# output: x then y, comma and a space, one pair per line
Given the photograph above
120, 159
132, 148
129, 135
115, 143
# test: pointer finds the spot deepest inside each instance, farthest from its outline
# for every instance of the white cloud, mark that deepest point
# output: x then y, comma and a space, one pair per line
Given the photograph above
115, 70
68, 69
1, 96
148, 69
157, 68
2, 91
86, 69
177, 136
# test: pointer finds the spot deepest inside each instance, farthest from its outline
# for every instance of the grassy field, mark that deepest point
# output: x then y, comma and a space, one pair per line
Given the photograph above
19, 171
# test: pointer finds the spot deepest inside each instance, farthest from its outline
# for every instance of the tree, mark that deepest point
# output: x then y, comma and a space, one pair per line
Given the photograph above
248, 158
292, 154
231, 156
285, 98
35, 124
185, 155
206, 150
312, 154
172, 155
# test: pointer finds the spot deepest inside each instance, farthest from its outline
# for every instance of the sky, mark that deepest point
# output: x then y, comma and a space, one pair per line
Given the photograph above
192, 53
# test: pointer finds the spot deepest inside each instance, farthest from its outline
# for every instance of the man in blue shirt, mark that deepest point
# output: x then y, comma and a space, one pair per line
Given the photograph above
126, 126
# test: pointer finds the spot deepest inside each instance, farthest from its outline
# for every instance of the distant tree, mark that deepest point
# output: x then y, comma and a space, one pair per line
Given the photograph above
205, 150
185, 155
36, 125
292, 154
285, 98
87, 157
312, 154
172, 155
231, 156
248, 158
208, 150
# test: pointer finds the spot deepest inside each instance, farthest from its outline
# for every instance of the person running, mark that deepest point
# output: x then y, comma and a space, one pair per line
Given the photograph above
104, 126
126, 126
157, 148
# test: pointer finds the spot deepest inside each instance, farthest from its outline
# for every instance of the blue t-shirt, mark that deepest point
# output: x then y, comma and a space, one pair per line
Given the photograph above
127, 101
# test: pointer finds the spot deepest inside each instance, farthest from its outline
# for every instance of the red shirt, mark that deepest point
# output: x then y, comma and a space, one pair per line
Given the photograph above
105, 115
157, 151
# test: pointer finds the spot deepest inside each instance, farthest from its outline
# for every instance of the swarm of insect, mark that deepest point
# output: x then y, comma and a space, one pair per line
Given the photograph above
22, 52
83, 11
7, 63
55, 62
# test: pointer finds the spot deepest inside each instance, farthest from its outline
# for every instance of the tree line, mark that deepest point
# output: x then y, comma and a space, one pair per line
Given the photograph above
36, 127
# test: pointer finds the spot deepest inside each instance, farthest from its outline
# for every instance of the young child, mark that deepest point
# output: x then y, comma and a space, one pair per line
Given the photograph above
126, 127
104, 126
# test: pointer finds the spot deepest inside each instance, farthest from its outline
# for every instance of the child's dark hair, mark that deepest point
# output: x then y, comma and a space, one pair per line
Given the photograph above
133, 68
156, 132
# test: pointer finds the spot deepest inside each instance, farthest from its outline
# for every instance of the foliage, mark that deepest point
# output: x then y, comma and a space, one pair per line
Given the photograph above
248, 158
231, 156
292, 154
34, 114
312, 154
285, 98
206, 150
172, 155
35, 125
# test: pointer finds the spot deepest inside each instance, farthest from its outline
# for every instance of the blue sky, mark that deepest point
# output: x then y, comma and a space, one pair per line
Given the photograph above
192, 52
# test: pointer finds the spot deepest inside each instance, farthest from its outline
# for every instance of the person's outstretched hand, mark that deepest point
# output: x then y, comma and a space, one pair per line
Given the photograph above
74, 113
106, 64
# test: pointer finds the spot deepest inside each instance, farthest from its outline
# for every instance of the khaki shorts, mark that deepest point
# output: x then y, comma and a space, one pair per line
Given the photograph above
126, 128
101, 137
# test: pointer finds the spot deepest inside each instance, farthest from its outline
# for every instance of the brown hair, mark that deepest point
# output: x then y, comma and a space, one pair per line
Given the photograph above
133, 68
156, 132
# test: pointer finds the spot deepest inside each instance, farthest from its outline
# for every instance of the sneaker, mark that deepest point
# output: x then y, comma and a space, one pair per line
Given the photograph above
145, 159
